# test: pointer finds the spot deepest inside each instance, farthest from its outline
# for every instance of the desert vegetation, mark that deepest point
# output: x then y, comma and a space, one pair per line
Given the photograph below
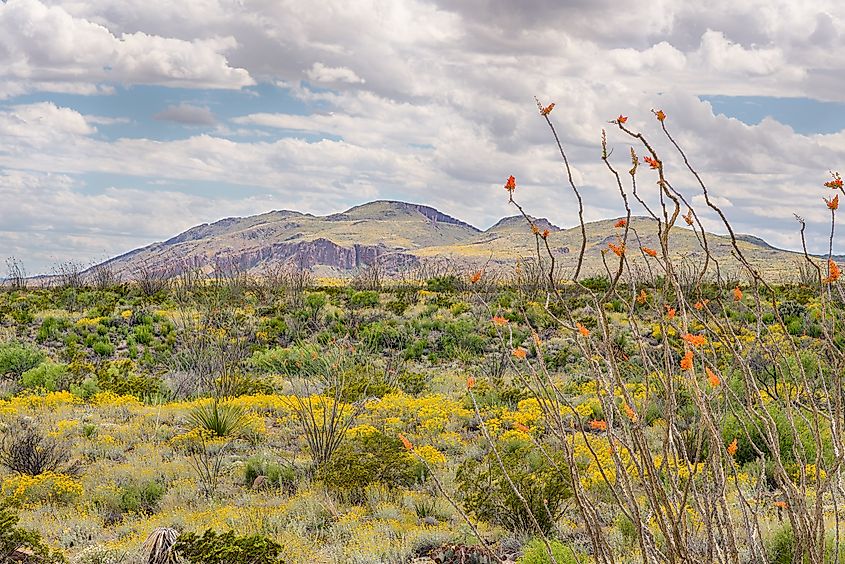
664, 411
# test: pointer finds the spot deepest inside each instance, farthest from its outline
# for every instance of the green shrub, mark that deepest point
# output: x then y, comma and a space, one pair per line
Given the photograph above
413, 383
50, 329
103, 348
780, 547
449, 283
277, 475
488, 494
535, 552
364, 298
17, 358
47, 376
368, 456
120, 378
141, 498
144, 334
381, 335
13, 538
227, 548
222, 420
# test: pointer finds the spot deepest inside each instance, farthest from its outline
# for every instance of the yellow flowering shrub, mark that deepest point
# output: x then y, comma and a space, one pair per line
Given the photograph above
429, 414
49, 487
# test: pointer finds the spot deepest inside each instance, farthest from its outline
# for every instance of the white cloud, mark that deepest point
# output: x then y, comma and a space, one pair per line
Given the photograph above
446, 111
321, 73
187, 114
41, 46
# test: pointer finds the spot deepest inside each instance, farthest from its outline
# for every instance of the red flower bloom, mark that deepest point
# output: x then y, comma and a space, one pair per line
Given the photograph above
510, 185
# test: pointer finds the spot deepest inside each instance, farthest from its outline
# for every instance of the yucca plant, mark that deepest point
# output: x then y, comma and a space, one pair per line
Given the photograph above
160, 546
221, 420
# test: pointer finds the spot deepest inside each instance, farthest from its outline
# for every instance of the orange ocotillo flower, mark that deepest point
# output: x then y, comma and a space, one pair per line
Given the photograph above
686, 362
629, 411
712, 378
499, 320
695, 340
642, 297
670, 312
732, 448
835, 273
510, 185
521, 427
470, 382
660, 115
407, 444
622, 119
836, 183
653, 163
583, 330
519, 352
700, 304
620, 223
649, 252
476, 276
618, 250
545, 234
547, 110
598, 425
737, 294
833, 203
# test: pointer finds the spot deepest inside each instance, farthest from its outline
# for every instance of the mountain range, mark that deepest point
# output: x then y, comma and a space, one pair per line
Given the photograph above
401, 235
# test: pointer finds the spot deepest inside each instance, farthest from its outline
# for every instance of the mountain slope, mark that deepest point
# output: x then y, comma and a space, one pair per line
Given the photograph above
399, 234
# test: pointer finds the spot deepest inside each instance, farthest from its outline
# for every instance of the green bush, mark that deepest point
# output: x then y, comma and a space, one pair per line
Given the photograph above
47, 376
141, 498
413, 383
535, 552
780, 547
17, 358
120, 378
227, 548
103, 348
277, 475
13, 538
370, 457
487, 492
364, 298
449, 283
50, 329
381, 335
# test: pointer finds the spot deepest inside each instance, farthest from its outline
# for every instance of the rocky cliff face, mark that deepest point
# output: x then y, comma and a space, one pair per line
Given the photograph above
311, 254
398, 235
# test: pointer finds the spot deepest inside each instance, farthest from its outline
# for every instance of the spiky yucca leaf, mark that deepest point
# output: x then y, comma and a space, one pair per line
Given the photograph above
220, 419
160, 546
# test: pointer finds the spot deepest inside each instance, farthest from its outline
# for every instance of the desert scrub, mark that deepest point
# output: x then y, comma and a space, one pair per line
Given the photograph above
368, 456
47, 487
276, 475
227, 548
535, 552
17, 358
14, 538
487, 492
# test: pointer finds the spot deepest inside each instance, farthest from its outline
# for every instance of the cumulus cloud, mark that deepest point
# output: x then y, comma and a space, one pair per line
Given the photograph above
42, 45
322, 73
446, 111
187, 114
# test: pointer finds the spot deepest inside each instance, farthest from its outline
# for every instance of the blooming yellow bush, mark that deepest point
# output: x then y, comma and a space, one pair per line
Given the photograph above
49, 487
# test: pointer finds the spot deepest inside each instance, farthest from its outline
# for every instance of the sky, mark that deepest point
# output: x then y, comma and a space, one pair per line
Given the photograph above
124, 122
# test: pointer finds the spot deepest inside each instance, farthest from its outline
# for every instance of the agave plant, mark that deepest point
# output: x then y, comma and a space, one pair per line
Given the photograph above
160, 546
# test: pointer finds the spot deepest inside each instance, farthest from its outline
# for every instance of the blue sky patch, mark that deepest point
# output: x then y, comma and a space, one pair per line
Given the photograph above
803, 115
